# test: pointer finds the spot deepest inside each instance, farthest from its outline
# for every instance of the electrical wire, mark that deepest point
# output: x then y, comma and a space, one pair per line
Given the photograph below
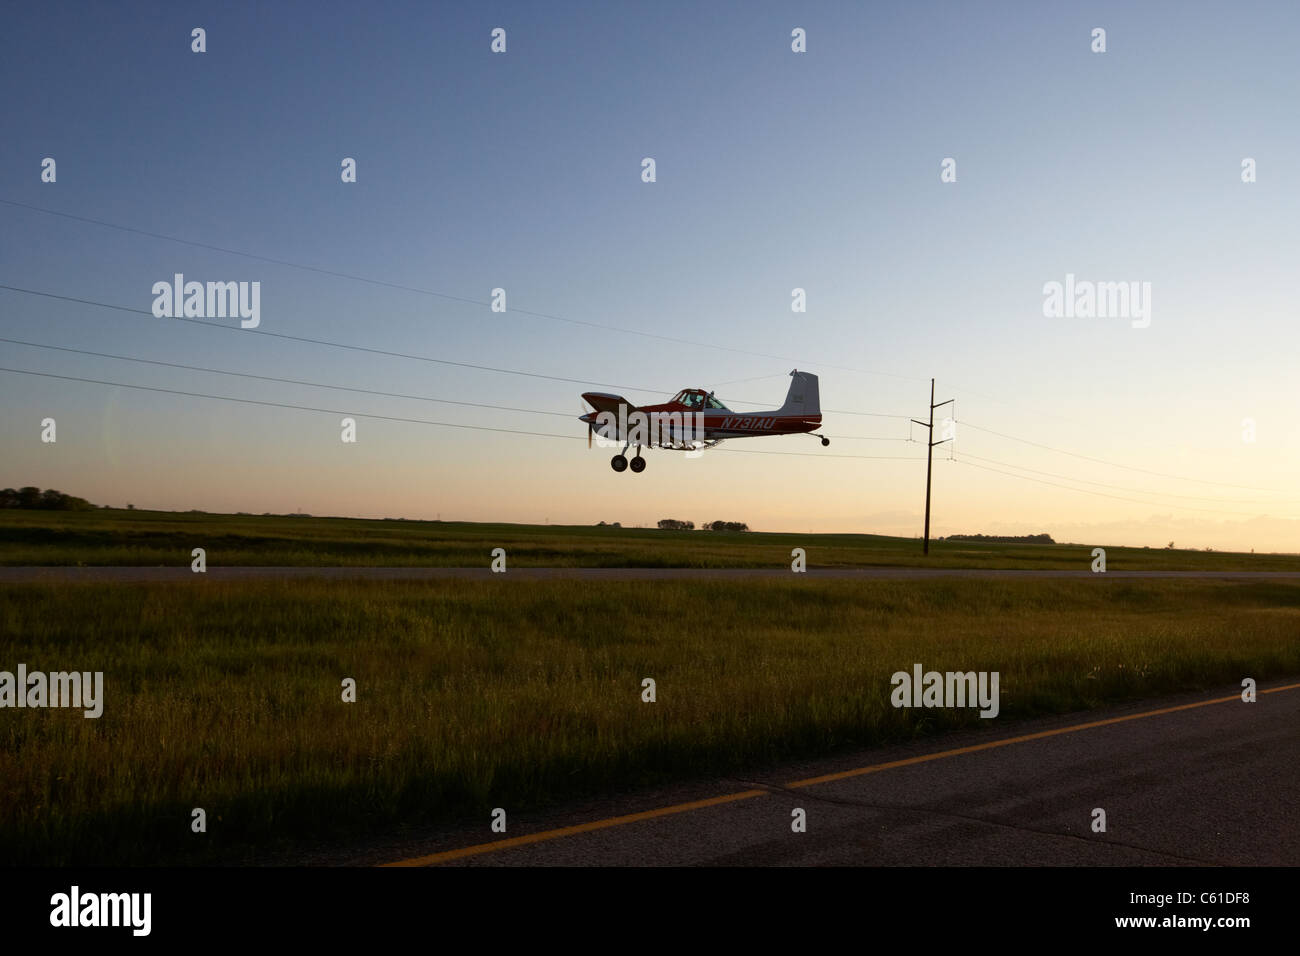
1103, 494
405, 355
389, 418
436, 294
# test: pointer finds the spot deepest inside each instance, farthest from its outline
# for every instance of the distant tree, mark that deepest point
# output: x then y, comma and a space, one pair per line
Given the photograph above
728, 526
58, 501
1169, 546
673, 524
48, 500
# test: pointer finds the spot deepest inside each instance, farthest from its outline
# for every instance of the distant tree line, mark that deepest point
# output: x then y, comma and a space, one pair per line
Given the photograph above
675, 524
1003, 538
727, 526
672, 524
47, 500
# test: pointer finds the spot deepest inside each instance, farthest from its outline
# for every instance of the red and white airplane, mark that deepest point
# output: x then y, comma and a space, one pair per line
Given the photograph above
694, 420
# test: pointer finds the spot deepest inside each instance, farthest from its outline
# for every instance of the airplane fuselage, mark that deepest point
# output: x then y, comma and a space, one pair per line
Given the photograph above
716, 424
695, 419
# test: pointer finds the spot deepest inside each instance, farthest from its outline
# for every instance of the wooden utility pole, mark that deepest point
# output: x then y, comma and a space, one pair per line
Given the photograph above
929, 461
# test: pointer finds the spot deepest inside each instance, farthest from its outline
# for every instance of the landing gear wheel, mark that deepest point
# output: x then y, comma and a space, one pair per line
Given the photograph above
618, 463
825, 442
638, 464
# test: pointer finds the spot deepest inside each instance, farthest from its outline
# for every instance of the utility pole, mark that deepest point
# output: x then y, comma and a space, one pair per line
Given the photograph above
929, 461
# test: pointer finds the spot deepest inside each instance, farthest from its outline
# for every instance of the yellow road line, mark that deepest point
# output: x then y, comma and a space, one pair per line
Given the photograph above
844, 775
580, 828
545, 835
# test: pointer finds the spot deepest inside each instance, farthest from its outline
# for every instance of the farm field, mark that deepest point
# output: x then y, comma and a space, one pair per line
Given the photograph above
477, 694
120, 537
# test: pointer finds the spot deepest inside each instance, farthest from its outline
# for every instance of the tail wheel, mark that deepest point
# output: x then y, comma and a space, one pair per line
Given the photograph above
619, 463
638, 464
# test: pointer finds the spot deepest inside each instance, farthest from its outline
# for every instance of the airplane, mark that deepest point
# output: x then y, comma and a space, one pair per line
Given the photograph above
694, 420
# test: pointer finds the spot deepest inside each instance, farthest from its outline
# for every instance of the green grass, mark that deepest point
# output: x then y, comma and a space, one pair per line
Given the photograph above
106, 537
474, 695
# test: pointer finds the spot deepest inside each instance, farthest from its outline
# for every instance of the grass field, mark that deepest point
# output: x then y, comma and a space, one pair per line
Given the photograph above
474, 695
107, 537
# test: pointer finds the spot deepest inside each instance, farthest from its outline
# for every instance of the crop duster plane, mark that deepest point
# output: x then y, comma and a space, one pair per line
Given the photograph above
694, 420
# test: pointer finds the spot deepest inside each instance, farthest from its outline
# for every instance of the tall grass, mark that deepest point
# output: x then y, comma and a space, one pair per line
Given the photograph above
473, 695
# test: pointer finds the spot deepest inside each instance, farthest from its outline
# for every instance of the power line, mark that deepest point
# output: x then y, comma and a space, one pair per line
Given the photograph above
338, 345
389, 418
285, 381
755, 378
515, 431
342, 388
817, 454
1102, 494
1113, 464
487, 304
431, 292
304, 408
866, 438
544, 315
832, 411
573, 381
405, 355
1139, 491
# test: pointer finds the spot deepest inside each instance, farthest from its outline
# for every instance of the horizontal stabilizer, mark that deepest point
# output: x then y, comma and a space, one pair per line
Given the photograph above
605, 402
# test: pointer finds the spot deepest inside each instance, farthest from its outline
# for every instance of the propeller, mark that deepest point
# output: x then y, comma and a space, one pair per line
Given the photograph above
590, 427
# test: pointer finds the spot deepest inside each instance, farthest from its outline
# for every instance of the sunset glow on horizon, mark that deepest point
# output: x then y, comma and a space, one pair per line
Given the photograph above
1066, 240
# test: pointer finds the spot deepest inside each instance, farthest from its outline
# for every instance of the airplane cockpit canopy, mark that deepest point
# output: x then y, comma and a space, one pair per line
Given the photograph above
698, 399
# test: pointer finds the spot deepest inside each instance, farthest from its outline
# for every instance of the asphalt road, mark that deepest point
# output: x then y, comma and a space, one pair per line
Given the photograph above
28, 575
1216, 781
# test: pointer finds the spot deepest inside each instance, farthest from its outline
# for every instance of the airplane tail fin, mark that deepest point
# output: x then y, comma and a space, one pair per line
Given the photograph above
803, 398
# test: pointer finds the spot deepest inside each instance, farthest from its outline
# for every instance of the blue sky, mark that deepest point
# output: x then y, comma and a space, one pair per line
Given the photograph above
775, 170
